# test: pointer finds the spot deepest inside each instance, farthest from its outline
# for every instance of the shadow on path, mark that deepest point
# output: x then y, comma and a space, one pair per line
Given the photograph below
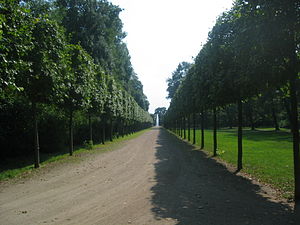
194, 189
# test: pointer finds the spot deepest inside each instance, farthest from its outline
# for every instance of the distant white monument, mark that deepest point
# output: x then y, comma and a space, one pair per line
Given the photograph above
157, 120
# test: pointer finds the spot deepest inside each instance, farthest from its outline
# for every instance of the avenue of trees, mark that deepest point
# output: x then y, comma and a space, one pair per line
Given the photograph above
251, 59
66, 76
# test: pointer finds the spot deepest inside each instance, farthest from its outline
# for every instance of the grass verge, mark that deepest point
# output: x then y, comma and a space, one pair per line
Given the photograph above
267, 155
16, 167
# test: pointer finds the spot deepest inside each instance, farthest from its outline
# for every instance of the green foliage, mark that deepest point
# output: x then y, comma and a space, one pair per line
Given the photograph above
79, 80
15, 42
64, 56
136, 91
228, 68
88, 144
42, 80
96, 26
176, 79
251, 57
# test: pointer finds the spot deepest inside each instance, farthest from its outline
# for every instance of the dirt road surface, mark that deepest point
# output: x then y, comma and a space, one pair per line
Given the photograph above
153, 179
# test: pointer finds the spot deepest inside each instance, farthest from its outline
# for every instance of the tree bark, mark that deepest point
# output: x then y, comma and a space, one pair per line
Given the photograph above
251, 119
71, 146
295, 130
90, 128
288, 110
36, 137
240, 136
189, 127
194, 128
110, 129
122, 128
184, 128
181, 128
293, 78
229, 120
202, 129
117, 128
215, 132
103, 131
125, 128
276, 126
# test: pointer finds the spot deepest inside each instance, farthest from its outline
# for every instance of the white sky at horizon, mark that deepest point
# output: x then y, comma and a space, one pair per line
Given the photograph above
163, 33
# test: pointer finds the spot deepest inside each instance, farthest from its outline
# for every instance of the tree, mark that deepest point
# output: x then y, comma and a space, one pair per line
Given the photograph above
42, 81
79, 85
98, 98
15, 42
229, 70
136, 91
176, 79
96, 26
41, 70
38, 7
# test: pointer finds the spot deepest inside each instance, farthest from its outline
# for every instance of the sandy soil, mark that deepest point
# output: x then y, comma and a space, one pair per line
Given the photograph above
153, 179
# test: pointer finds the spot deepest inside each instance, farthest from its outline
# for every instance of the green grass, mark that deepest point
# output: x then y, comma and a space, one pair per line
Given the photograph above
267, 154
18, 167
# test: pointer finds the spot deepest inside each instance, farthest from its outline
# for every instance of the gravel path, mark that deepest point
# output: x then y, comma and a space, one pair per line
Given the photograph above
153, 179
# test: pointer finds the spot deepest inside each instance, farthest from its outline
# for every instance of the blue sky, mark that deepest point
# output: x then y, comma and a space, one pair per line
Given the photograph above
163, 33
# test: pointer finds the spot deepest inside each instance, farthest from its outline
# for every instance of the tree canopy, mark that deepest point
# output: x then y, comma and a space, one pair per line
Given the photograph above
252, 50
68, 56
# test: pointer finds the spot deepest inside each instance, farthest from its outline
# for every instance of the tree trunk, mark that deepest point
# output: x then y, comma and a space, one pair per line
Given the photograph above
36, 137
215, 132
181, 127
129, 128
293, 79
174, 126
229, 120
90, 128
122, 128
194, 128
276, 126
189, 127
125, 127
110, 129
251, 119
184, 128
71, 147
295, 130
240, 136
103, 131
202, 129
288, 110
117, 128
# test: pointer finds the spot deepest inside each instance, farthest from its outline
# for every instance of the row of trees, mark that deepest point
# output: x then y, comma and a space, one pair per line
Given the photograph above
252, 51
68, 55
270, 109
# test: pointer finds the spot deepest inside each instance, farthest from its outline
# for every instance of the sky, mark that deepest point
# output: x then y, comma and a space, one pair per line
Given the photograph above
163, 33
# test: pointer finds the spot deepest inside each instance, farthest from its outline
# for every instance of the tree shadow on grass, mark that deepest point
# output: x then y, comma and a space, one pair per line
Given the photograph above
194, 189
14, 163
262, 135
19, 162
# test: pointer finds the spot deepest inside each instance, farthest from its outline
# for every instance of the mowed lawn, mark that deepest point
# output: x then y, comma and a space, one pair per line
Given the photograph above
267, 154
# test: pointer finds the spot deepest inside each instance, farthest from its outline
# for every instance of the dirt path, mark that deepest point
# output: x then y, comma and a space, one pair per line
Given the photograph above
153, 179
